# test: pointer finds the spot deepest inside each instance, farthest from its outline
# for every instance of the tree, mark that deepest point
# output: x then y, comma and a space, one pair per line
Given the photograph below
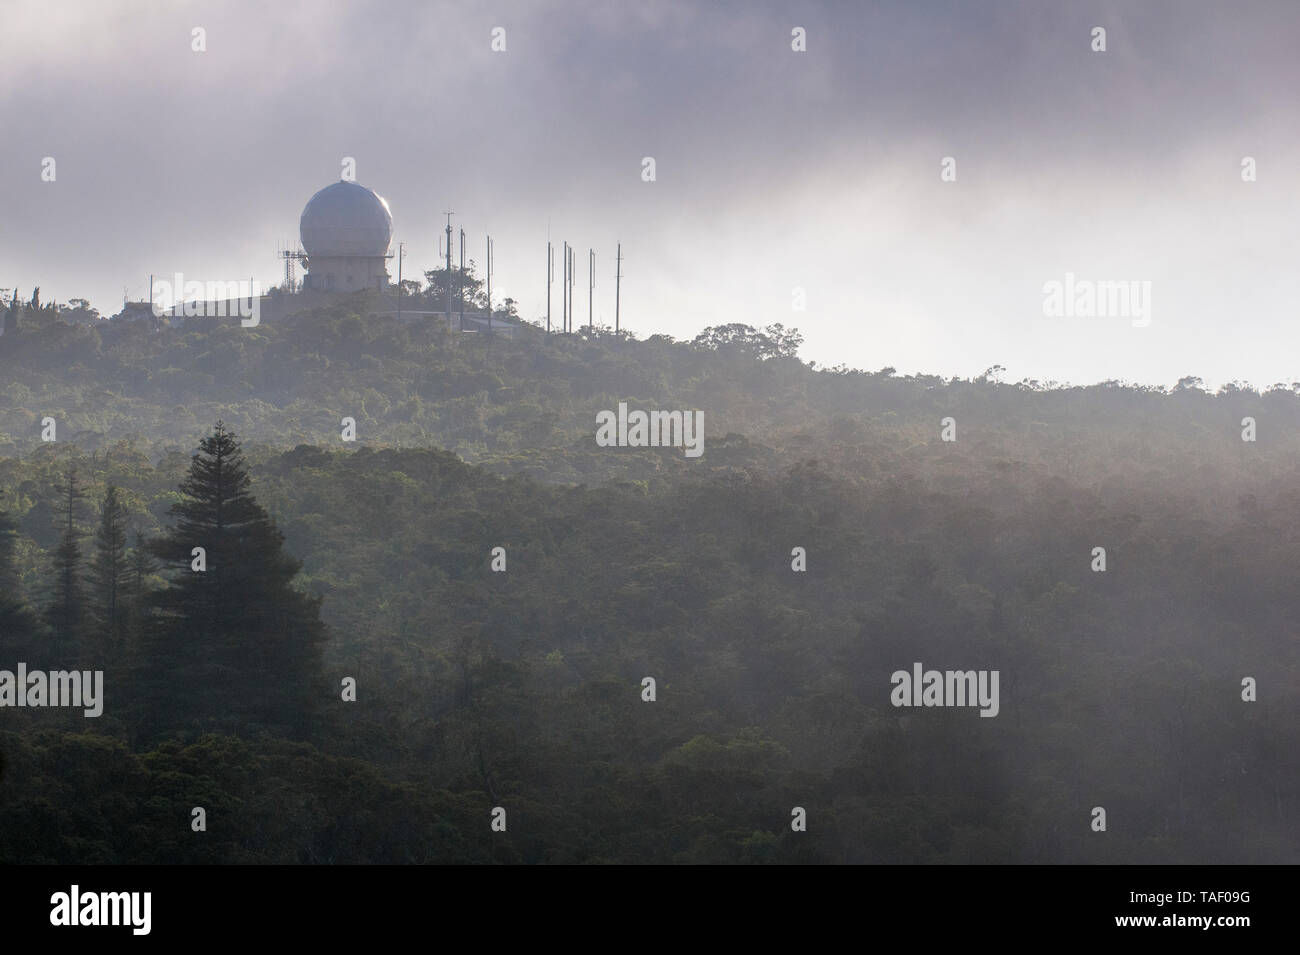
141, 566
67, 610
8, 572
782, 343
108, 576
18, 626
773, 342
80, 310
12, 314
463, 283
237, 639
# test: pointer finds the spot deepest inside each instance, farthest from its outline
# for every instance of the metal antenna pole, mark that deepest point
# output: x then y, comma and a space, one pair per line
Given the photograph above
591, 282
550, 277
460, 281
448, 214
401, 246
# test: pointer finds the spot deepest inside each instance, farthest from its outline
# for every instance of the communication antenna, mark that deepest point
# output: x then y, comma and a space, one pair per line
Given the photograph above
618, 275
591, 282
292, 256
564, 289
489, 281
401, 254
448, 214
550, 277
460, 281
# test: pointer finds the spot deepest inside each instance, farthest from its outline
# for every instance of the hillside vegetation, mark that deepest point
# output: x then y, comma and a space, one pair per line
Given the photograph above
523, 688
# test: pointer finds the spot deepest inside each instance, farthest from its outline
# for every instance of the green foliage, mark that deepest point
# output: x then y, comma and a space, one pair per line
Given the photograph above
109, 575
232, 639
68, 608
523, 689
774, 342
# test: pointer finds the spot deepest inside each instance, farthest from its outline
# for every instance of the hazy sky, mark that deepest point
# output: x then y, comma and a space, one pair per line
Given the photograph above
775, 169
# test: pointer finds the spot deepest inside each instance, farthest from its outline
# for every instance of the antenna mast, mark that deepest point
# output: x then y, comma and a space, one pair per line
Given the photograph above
448, 215
292, 256
401, 252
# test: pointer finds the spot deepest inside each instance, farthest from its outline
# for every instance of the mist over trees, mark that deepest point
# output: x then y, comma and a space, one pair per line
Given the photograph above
371, 560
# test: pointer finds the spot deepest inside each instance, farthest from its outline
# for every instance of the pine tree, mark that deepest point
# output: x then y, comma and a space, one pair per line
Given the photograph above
242, 641
18, 627
135, 589
147, 687
67, 610
108, 577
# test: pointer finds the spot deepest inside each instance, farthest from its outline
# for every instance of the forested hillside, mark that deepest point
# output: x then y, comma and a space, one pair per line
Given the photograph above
514, 677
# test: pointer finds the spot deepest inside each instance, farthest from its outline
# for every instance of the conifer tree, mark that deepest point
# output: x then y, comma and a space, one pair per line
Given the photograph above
67, 610
108, 576
241, 641
141, 565
18, 626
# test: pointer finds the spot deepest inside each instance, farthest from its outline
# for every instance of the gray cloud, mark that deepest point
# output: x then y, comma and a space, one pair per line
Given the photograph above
775, 169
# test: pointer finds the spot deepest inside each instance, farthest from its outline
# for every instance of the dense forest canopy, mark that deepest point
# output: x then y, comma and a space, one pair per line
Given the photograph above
522, 687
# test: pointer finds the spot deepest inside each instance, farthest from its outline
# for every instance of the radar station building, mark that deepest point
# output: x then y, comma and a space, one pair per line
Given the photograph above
346, 230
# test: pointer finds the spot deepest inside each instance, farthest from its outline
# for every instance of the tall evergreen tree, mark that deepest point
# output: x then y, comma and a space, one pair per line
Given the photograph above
67, 610
18, 626
239, 640
141, 565
109, 575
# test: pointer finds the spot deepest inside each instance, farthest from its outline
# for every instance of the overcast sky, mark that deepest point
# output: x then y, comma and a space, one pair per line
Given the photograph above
775, 169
